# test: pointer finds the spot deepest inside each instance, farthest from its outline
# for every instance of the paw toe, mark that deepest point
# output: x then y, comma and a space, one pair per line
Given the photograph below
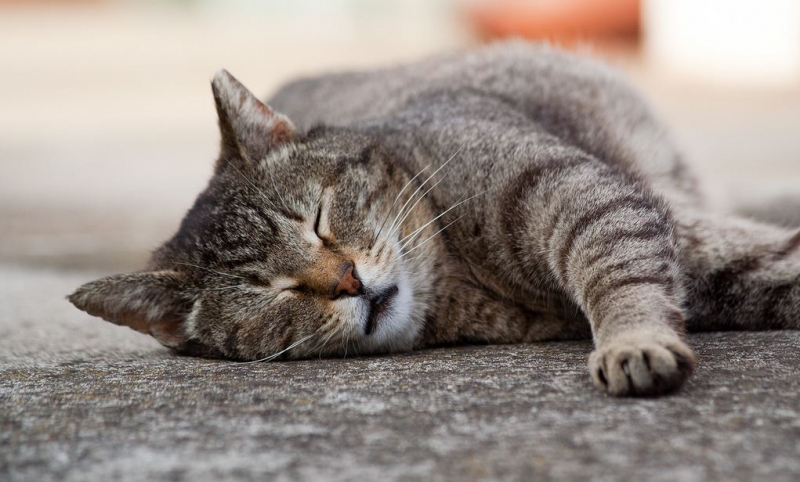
649, 368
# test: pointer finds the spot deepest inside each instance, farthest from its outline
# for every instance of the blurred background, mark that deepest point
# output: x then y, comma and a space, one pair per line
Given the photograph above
108, 130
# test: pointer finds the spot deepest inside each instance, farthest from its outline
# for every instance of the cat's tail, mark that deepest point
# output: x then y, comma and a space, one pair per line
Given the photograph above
741, 274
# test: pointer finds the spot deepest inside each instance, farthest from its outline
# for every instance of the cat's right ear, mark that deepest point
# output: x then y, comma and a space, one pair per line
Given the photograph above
249, 128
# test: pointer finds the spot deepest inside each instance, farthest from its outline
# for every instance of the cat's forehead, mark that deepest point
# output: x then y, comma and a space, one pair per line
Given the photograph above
264, 213
323, 162
230, 226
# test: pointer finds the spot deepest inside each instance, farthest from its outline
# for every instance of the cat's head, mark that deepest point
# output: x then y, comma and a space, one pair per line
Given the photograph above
299, 244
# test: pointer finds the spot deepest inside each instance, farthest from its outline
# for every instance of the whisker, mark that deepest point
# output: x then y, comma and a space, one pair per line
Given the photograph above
429, 238
418, 257
324, 343
397, 198
418, 231
329, 338
211, 270
276, 355
411, 209
221, 288
402, 209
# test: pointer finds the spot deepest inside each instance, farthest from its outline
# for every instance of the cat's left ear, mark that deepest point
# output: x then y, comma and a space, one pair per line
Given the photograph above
156, 303
249, 128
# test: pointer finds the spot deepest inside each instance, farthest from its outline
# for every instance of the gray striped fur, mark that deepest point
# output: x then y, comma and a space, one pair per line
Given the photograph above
581, 219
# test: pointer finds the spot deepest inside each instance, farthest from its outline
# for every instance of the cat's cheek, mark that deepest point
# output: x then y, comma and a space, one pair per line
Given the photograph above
402, 329
353, 313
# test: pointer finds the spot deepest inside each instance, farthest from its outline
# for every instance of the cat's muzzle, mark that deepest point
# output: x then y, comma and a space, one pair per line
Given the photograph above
378, 304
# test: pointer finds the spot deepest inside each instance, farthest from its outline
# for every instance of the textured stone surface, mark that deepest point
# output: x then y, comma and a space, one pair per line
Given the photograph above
81, 399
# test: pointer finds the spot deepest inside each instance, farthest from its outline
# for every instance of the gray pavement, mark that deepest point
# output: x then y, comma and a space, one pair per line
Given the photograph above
84, 400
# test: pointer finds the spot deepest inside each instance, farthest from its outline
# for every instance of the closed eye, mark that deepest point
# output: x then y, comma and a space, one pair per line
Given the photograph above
317, 221
322, 227
299, 288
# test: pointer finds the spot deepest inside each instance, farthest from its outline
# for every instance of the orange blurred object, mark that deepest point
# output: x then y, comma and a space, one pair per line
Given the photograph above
557, 20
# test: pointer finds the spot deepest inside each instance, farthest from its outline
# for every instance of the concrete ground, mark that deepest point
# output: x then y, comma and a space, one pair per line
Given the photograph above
84, 400
107, 132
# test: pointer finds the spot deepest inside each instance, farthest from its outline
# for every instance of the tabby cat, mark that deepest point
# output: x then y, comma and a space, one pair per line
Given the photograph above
511, 194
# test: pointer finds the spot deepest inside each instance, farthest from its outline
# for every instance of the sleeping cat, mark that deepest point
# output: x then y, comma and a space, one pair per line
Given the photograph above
513, 194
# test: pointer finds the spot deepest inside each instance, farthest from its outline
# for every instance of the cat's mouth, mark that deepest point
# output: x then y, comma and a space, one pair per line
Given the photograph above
378, 304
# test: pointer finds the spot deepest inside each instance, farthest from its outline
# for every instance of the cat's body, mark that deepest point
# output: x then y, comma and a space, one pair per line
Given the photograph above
566, 212
503, 115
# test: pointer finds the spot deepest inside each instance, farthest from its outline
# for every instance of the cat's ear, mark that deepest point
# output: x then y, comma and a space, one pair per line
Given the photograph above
249, 128
156, 303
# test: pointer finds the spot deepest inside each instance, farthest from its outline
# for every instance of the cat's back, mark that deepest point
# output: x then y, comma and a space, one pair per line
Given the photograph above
573, 98
538, 77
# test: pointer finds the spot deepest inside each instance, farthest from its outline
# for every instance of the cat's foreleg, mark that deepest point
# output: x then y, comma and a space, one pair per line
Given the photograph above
742, 274
609, 244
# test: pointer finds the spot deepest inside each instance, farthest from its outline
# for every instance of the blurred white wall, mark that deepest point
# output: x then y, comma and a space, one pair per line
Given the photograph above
108, 129
744, 42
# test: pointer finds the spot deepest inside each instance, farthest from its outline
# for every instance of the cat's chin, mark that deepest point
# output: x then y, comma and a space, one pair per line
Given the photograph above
388, 322
381, 305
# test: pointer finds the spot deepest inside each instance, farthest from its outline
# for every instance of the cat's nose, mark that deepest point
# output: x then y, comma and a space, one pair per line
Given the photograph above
349, 283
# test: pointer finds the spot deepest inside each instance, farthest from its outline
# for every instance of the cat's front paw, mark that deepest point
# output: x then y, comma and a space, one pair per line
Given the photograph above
641, 364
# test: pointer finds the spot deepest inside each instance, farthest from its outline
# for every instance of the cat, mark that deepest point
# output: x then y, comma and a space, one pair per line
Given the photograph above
515, 193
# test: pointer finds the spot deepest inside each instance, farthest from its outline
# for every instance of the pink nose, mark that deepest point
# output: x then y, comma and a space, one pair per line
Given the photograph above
348, 283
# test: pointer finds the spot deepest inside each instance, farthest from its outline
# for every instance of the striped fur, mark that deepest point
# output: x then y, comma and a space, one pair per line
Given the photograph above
513, 194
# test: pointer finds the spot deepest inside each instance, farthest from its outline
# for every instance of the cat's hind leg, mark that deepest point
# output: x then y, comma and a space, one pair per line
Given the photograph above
742, 274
